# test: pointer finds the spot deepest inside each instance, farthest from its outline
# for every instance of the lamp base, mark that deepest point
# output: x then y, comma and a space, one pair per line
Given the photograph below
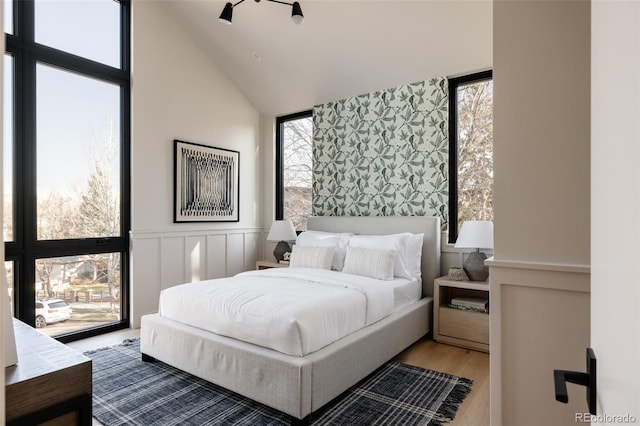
281, 248
475, 268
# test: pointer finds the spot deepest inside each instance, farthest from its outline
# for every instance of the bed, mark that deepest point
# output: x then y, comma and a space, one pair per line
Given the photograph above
299, 384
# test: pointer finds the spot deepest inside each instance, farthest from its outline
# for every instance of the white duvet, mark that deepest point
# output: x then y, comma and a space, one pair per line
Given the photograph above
295, 311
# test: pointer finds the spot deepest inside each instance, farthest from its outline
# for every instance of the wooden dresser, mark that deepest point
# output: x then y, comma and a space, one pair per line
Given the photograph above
51, 382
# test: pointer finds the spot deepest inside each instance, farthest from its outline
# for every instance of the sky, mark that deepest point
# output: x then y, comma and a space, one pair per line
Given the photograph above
71, 109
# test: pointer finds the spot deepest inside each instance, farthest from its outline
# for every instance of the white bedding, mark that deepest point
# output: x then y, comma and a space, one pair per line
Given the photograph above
405, 292
295, 311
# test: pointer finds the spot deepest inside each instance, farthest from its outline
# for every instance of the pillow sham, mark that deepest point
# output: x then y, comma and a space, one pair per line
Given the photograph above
311, 257
376, 264
407, 245
339, 242
414, 255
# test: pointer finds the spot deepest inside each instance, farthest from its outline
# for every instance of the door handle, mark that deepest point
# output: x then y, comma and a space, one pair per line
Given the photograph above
588, 379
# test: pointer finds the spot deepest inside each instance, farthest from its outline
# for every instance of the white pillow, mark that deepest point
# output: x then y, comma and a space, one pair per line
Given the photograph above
408, 247
311, 257
414, 255
376, 264
338, 241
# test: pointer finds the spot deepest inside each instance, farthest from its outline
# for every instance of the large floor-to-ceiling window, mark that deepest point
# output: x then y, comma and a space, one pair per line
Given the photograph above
66, 164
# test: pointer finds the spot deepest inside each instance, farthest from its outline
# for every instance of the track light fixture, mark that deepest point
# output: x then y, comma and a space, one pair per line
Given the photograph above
296, 11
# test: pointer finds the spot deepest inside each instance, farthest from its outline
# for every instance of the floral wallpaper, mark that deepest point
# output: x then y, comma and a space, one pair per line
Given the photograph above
385, 153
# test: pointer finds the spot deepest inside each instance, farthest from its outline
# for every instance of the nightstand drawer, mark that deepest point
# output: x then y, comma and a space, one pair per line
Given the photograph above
466, 325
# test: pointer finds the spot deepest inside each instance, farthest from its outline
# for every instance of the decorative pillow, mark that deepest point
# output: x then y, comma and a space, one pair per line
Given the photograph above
339, 242
408, 247
376, 264
311, 257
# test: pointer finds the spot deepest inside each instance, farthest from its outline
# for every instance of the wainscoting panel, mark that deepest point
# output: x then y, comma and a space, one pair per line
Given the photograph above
145, 277
251, 249
235, 251
216, 256
540, 321
162, 259
172, 262
196, 257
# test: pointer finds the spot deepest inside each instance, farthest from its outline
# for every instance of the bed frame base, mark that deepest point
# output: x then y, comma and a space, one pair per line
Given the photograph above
306, 421
148, 358
294, 385
301, 422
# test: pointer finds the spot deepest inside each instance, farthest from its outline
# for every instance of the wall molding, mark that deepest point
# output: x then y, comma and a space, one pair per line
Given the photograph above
163, 258
539, 266
151, 233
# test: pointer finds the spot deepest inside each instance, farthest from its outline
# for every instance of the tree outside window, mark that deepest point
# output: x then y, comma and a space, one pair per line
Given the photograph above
295, 138
471, 169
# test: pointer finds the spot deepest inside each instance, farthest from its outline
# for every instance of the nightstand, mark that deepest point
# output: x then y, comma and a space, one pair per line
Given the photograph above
458, 327
266, 264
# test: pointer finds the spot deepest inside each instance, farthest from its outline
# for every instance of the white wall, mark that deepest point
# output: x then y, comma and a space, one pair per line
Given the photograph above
179, 93
615, 205
539, 279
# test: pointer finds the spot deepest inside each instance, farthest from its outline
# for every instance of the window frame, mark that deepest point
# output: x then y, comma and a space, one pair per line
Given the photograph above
279, 160
454, 83
26, 249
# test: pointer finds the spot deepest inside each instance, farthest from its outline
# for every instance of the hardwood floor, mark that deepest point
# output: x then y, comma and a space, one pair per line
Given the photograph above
474, 411
426, 353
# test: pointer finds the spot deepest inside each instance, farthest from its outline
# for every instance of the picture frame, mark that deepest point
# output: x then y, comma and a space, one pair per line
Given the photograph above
206, 183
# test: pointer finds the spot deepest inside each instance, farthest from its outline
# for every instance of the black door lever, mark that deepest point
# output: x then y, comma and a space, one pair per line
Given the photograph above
588, 379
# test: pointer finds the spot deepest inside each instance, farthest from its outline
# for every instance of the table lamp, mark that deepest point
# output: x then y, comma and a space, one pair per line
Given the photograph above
281, 231
476, 234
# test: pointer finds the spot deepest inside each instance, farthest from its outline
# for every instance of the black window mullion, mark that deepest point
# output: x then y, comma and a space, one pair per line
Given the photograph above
77, 64
125, 156
24, 167
24, 20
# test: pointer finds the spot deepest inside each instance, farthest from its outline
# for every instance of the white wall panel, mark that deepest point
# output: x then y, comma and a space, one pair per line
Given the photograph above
172, 261
145, 277
540, 317
162, 259
216, 256
196, 258
252, 252
235, 253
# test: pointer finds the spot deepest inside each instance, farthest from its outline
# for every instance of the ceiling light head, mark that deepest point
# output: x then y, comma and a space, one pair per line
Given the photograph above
227, 14
296, 13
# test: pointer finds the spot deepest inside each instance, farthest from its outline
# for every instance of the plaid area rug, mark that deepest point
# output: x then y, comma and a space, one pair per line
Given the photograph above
127, 391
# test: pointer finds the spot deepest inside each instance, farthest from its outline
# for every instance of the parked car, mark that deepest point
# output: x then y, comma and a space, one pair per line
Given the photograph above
49, 311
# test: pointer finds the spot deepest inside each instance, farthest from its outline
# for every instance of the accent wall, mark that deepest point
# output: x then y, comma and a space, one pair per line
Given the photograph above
384, 153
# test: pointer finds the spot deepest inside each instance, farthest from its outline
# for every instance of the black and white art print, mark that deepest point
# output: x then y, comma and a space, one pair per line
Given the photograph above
206, 183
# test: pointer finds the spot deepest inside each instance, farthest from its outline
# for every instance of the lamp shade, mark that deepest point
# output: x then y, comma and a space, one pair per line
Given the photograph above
476, 234
282, 230
227, 14
296, 13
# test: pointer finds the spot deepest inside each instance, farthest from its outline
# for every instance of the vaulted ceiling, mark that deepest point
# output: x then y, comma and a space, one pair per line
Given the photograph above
343, 48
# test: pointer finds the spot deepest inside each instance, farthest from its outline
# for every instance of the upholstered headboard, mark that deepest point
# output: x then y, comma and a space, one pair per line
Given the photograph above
379, 225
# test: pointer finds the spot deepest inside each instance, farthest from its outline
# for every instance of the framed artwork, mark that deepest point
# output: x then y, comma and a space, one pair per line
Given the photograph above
205, 183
